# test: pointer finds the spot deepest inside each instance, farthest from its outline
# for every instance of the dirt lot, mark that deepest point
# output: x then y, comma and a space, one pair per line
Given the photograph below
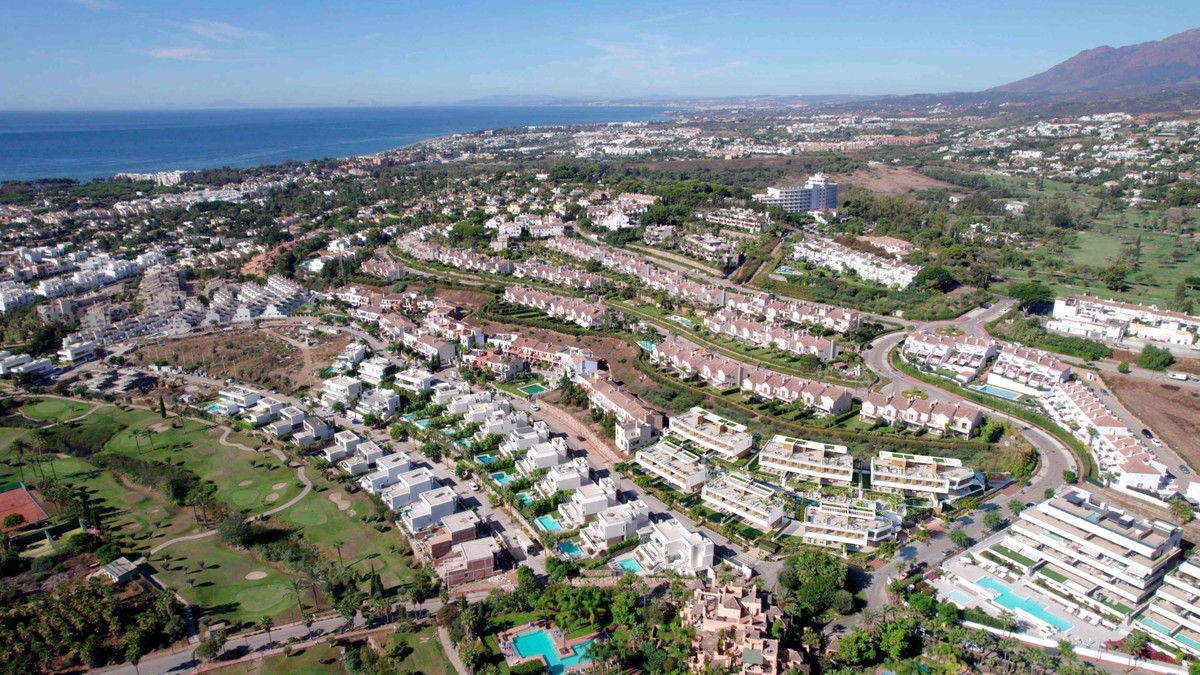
1182, 365
469, 300
1170, 410
890, 180
270, 357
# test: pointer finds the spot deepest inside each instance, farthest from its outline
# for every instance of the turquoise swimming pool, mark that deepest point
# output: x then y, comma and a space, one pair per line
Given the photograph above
539, 643
630, 565
549, 523
525, 498
533, 389
648, 346
484, 459
999, 391
1010, 600
501, 477
569, 548
422, 423
788, 270
681, 319
959, 597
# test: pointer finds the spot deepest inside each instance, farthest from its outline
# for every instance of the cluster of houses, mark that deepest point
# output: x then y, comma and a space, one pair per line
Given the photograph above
726, 323
1111, 320
961, 357
868, 266
935, 417
558, 275
1028, 371
1123, 459
733, 628
579, 311
747, 220
637, 425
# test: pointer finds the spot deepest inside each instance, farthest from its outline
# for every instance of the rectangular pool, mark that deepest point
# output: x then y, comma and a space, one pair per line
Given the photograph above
1010, 600
501, 477
484, 459
533, 389
959, 597
648, 346
681, 319
630, 565
539, 643
549, 523
524, 498
999, 391
422, 423
569, 548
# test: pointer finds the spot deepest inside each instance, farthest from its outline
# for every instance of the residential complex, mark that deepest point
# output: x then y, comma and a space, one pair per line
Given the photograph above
732, 632
709, 432
747, 220
847, 524
680, 469
1027, 371
1111, 320
816, 194
933, 480
1173, 615
868, 266
961, 357
811, 461
736, 495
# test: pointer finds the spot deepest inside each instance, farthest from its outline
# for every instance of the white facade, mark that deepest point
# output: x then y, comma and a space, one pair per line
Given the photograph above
737, 495
816, 193
812, 461
710, 432
681, 469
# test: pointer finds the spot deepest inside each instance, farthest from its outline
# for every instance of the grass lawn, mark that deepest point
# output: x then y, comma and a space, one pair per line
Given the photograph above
323, 522
55, 409
221, 588
427, 655
196, 447
318, 658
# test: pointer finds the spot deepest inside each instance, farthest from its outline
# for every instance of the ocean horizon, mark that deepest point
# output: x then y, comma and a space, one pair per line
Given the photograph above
99, 144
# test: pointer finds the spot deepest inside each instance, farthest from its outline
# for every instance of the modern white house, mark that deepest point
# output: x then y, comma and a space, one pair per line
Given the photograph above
736, 495
408, 488
341, 389
415, 380
344, 444
388, 470
614, 524
671, 546
382, 403
374, 370
364, 457
241, 397
429, 509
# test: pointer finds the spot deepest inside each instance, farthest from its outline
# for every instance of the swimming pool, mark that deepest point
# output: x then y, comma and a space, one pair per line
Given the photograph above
959, 597
569, 548
999, 391
539, 643
533, 389
422, 423
525, 498
549, 523
630, 565
648, 346
501, 477
484, 459
788, 270
680, 319
216, 408
1010, 600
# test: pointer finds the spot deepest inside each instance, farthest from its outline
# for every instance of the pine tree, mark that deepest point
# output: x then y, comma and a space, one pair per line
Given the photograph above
162, 407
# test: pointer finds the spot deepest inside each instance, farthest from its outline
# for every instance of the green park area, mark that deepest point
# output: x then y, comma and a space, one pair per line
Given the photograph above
55, 409
319, 658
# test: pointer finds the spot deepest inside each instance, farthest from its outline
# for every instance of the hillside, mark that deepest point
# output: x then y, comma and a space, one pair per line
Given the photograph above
1172, 63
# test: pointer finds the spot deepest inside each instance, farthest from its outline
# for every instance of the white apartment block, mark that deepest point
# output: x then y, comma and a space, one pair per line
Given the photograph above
671, 546
747, 220
614, 524
868, 266
848, 525
962, 357
1098, 319
374, 370
935, 480
812, 461
680, 469
817, 193
1028, 371
737, 495
710, 432
1173, 616
933, 416
1098, 555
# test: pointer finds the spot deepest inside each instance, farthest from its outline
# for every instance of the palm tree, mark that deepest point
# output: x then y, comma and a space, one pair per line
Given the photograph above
19, 448
265, 623
296, 586
869, 620
337, 546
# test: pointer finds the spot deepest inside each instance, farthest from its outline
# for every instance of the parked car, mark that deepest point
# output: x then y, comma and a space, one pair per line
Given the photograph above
1103, 391
1183, 468
1156, 443
1146, 434
534, 408
474, 486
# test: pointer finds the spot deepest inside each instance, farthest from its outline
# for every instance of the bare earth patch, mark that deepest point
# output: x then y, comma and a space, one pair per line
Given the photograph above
245, 483
340, 499
278, 486
160, 427
255, 576
1171, 411
271, 497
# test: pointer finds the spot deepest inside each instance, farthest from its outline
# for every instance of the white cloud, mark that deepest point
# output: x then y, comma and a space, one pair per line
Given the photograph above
182, 54
221, 31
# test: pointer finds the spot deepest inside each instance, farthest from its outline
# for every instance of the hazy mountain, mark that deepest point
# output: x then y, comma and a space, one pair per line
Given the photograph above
1173, 63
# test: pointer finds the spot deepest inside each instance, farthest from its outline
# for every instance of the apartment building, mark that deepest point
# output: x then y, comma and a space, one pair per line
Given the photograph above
374, 370
709, 432
637, 425
680, 469
711, 247
961, 357
614, 524
848, 525
935, 480
1111, 320
817, 193
1173, 615
736, 495
747, 220
671, 546
868, 266
727, 323
1028, 371
811, 461
581, 312
1101, 557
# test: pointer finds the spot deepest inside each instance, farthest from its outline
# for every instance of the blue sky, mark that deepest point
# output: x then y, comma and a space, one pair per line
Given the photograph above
130, 54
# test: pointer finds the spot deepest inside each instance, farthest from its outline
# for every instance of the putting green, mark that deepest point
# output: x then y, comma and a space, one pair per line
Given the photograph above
306, 517
257, 598
243, 498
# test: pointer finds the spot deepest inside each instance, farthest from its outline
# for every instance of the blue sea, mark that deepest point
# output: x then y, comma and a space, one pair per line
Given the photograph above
87, 145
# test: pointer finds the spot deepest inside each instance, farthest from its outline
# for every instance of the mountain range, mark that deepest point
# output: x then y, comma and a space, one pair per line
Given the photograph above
1171, 63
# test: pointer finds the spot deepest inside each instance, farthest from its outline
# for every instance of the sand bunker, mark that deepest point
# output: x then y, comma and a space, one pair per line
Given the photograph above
271, 497
342, 501
245, 483
255, 576
160, 427
278, 486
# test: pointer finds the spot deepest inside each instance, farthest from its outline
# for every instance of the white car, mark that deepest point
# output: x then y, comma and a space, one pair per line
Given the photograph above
474, 486
1157, 443
534, 408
